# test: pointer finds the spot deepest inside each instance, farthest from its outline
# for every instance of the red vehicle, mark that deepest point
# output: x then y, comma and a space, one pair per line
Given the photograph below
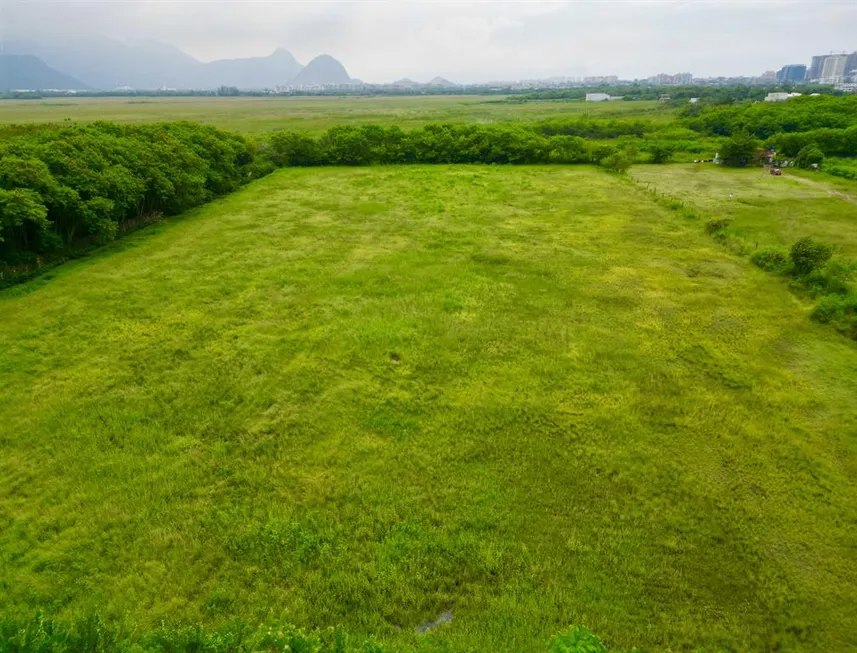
776, 171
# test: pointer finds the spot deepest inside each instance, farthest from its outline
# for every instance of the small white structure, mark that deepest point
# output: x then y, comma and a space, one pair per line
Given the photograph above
781, 97
693, 100
598, 97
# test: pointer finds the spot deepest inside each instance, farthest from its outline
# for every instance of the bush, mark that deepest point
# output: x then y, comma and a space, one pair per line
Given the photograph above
842, 171
839, 311
293, 149
808, 156
660, 153
620, 162
808, 255
772, 259
576, 639
716, 225
833, 279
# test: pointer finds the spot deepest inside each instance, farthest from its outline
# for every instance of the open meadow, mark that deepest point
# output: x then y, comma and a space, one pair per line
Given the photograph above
254, 115
526, 396
765, 209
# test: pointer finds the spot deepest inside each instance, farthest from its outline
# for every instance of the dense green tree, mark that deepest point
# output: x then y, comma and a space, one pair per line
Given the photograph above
60, 184
740, 150
809, 156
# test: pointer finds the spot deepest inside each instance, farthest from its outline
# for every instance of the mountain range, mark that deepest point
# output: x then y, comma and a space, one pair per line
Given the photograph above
102, 63
27, 71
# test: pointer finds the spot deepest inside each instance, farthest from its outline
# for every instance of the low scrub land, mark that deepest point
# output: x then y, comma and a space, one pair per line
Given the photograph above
483, 403
254, 115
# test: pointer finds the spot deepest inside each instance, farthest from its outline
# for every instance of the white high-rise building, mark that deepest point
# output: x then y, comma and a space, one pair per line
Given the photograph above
833, 71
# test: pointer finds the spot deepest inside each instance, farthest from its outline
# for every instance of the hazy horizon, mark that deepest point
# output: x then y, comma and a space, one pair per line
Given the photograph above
384, 40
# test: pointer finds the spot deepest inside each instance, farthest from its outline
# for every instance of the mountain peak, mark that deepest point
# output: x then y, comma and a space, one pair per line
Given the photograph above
322, 70
440, 81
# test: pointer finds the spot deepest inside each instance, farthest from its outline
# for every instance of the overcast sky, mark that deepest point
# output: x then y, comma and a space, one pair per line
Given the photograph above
383, 40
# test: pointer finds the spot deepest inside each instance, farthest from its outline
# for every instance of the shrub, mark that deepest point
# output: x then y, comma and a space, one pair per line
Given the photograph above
620, 162
716, 225
576, 639
840, 311
293, 149
772, 259
808, 156
660, 153
841, 171
833, 279
600, 152
808, 255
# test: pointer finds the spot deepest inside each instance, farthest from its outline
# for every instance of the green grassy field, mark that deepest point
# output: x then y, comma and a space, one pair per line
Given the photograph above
765, 209
257, 115
529, 396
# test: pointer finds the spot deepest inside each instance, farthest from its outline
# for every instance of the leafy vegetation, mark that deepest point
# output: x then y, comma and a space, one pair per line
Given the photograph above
365, 397
60, 185
739, 151
807, 255
765, 119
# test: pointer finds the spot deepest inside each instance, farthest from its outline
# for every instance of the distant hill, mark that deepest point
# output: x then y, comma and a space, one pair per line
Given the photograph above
28, 72
257, 72
323, 69
441, 82
103, 63
406, 82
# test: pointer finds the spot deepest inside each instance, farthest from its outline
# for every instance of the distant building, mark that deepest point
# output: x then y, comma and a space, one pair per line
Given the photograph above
606, 79
792, 73
815, 68
851, 67
664, 99
598, 97
832, 68
781, 97
693, 100
678, 79
768, 76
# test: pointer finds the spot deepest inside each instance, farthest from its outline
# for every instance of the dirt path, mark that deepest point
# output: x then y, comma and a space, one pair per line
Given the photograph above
835, 193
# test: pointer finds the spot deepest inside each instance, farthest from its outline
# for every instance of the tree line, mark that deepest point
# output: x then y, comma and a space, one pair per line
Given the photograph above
766, 119
58, 185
